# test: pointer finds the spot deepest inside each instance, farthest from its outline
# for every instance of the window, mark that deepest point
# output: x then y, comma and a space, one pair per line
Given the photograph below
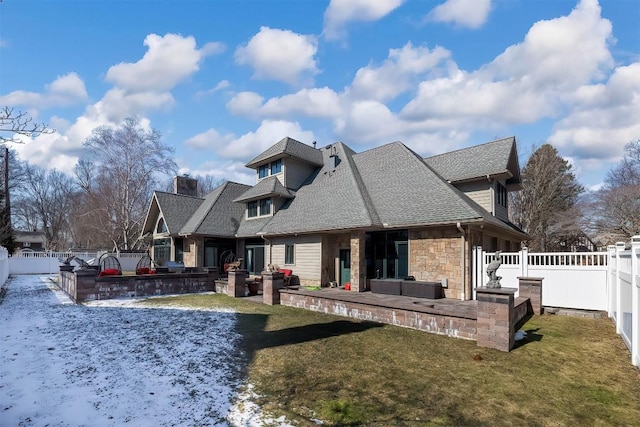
265, 207
270, 169
260, 207
276, 167
162, 226
502, 195
289, 253
252, 209
26, 244
263, 171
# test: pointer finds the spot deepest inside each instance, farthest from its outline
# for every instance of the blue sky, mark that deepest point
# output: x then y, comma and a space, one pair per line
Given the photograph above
223, 80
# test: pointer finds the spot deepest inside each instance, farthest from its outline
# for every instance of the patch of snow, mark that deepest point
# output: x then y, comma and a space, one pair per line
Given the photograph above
107, 364
520, 335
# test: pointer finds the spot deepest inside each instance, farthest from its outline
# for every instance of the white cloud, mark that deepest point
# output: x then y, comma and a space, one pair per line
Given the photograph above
169, 60
206, 140
117, 104
319, 103
253, 143
341, 12
245, 104
398, 72
528, 81
465, 13
64, 91
604, 118
280, 55
229, 170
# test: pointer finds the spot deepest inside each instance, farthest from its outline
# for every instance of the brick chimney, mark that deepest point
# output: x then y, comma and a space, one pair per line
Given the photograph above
185, 185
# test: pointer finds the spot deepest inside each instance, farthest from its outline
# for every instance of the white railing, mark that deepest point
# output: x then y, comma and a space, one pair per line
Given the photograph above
571, 279
624, 294
48, 262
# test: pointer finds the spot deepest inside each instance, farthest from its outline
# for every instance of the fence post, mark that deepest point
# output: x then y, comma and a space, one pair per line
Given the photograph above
619, 248
635, 301
524, 262
611, 282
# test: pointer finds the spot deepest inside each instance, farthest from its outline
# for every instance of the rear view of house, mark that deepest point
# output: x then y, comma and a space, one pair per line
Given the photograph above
330, 214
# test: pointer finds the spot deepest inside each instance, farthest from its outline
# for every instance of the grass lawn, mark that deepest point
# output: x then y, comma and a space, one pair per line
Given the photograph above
306, 365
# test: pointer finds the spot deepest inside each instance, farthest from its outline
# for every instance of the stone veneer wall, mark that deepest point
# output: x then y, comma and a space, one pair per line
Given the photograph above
87, 286
436, 253
441, 324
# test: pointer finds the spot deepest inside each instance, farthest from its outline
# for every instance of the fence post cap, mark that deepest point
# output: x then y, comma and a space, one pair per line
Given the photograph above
611, 247
635, 240
620, 244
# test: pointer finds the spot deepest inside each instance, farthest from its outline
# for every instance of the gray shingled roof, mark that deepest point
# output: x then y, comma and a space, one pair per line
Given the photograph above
406, 192
218, 215
333, 198
176, 209
291, 147
493, 158
268, 187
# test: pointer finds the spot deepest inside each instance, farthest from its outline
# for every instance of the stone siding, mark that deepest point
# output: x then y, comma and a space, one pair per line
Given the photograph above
86, 286
452, 326
435, 254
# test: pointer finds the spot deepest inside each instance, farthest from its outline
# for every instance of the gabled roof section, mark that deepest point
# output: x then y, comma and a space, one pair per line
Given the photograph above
218, 215
407, 192
289, 147
496, 159
268, 187
333, 198
176, 209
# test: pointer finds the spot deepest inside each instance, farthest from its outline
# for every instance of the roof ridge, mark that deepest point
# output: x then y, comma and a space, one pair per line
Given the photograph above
177, 194
495, 141
362, 188
220, 190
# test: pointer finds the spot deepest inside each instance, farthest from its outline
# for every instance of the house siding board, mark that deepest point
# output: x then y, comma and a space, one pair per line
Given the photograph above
296, 173
479, 192
308, 256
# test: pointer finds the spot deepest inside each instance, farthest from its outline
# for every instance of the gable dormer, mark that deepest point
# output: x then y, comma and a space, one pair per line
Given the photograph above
264, 198
485, 173
289, 161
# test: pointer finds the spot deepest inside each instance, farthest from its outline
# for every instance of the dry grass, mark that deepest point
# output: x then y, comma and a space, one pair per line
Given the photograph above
571, 371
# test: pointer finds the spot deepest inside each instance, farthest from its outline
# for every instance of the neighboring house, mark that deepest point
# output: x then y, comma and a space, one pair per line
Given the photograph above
331, 214
33, 240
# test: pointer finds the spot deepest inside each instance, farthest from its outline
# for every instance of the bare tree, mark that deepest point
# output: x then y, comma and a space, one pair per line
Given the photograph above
546, 207
617, 204
14, 123
118, 170
45, 203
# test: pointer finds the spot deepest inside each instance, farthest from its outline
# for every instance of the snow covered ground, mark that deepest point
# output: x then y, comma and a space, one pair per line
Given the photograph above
114, 363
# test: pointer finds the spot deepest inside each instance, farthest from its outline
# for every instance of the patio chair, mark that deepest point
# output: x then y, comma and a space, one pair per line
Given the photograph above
287, 275
144, 265
109, 266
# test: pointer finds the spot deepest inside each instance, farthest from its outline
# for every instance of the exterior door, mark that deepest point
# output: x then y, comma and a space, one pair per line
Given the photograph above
345, 266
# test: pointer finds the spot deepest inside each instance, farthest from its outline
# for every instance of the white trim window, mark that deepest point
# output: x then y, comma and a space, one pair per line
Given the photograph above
259, 208
289, 254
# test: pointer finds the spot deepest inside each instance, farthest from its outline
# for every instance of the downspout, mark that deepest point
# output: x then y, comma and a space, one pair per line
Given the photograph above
270, 247
462, 261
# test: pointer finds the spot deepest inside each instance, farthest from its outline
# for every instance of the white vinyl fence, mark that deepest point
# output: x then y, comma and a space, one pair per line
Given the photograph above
606, 281
4, 265
49, 262
571, 279
624, 295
